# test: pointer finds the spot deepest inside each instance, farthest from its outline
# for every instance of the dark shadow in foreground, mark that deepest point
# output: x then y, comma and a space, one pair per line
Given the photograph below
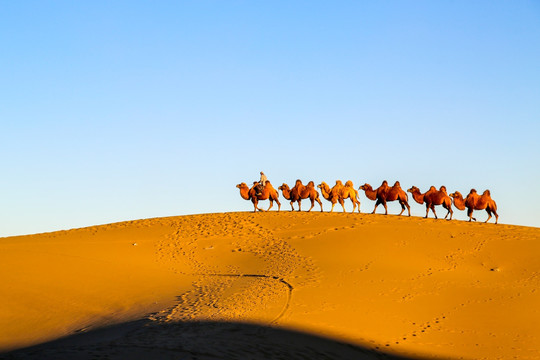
196, 340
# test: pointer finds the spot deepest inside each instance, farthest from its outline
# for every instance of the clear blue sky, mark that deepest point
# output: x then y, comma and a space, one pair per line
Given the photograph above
121, 110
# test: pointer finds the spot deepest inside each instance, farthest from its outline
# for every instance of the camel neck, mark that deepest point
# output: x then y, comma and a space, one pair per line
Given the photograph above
244, 192
371, 194
286, 194
459, 202
418, 196
325, 192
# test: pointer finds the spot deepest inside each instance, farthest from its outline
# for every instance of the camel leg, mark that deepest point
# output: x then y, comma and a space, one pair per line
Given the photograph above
271, 204
320, 203
489, 215
402, 207
427, 211
449, 208
353, 205
385, 208
433, 209
312, 204
278, 205
299, 205
408, 208
469, 214
445, 216
358, 201
292, 207
342, 203
255, 202
496, 215
376, 204
332, 209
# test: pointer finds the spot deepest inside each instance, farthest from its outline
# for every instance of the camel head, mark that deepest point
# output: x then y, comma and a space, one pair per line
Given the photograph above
413, 189
283, 187
241, 185
323, 185
366, 186
456, 195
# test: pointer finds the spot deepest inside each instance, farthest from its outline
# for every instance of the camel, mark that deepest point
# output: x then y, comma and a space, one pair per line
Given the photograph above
431, 198
385, 193
299, 192
473, 201
268, 193
339, 193
286, 191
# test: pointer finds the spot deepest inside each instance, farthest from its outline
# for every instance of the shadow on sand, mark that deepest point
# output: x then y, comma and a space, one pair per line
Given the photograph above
196, 340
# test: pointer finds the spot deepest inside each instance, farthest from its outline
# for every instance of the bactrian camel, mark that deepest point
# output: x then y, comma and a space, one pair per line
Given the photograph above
473, 201
385, 193
431, 198
339, 193
299, 192
268, 193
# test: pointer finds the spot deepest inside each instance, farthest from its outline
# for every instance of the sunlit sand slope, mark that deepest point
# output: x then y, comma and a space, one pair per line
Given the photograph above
398, 285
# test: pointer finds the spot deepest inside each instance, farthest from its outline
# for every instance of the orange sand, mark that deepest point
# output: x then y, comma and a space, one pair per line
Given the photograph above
399, 285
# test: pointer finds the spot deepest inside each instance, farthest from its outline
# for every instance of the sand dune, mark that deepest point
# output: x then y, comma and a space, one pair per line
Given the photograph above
273, 285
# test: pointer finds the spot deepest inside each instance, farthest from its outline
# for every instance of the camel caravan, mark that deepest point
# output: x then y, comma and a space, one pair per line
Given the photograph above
263, 190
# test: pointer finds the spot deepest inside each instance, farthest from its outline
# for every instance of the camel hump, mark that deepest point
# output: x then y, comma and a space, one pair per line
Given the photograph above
349, 183
384, 183
487, 192
397, 184
443, 189
473, 191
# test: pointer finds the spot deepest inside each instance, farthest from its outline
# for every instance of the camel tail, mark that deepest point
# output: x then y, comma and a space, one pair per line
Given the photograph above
406, 196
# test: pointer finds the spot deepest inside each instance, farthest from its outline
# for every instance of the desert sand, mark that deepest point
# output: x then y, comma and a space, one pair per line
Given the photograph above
273, 285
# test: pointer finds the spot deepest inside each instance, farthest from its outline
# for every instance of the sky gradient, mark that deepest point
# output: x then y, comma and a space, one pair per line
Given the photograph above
113, 111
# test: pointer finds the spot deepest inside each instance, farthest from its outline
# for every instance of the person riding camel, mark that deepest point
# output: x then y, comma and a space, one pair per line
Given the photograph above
262, 183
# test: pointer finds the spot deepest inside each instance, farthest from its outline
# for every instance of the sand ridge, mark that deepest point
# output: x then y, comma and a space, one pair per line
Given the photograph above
409, 286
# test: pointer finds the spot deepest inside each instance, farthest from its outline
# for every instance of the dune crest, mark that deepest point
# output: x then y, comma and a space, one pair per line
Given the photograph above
408, 286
